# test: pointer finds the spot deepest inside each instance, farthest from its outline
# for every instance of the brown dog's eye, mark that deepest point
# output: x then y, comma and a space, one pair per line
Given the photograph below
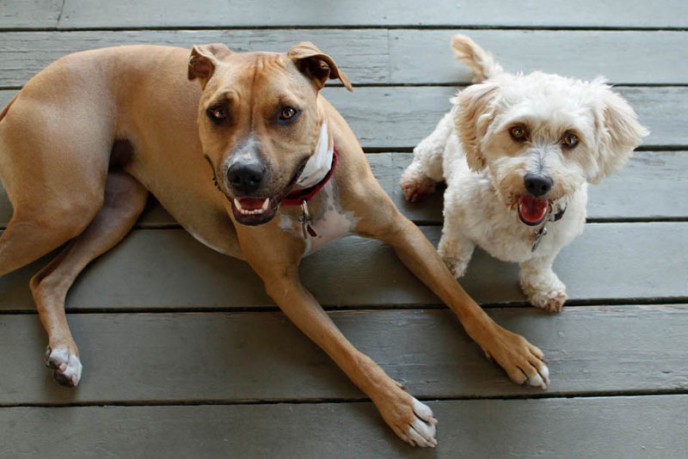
519, 133
218, 113
288, 114
570, 140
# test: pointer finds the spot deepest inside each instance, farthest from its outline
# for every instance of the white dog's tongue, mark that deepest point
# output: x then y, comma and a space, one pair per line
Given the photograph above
532, 210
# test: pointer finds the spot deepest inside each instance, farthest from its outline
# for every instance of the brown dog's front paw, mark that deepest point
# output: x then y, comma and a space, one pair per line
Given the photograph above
410, 419
523, 362
65, 364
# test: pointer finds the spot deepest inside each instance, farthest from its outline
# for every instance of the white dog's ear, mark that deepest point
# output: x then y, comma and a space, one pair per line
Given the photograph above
618, 133
473, 111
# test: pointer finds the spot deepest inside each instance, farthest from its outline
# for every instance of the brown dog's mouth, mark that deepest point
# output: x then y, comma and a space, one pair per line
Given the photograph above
253, 211
531, 210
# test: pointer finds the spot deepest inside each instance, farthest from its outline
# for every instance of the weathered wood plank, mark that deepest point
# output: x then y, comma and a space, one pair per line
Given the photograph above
609, 427
221, 357
15, 14
155, 269
25, 53
400, 117
242, 13
399, 56
658, 174
420, 56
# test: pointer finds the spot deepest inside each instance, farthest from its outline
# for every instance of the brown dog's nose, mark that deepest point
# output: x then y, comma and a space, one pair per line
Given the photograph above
246, 178
537, 185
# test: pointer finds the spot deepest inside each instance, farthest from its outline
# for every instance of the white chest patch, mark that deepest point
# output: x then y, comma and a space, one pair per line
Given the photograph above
330, 223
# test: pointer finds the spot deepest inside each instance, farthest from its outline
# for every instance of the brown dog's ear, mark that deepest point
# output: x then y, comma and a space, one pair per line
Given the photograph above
618, 132
473, 112
204, 59
316, 65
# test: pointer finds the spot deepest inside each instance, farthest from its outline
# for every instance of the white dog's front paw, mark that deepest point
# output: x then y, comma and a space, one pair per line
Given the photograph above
548, 297
417, 187
553, 303
65, 364
456, 266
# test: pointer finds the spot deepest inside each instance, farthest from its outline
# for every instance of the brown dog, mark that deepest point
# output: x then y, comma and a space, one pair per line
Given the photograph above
85, 140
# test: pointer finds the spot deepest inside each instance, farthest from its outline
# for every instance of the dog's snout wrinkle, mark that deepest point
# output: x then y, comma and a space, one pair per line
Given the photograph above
538, 184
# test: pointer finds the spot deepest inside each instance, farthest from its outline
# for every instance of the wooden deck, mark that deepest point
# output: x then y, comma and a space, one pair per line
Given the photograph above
186, 356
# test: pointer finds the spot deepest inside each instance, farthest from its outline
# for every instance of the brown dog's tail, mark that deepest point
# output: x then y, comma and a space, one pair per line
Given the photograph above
479, 60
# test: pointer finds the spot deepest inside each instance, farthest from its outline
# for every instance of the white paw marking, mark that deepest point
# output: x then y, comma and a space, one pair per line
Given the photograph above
539, 379
66, 365
423, 428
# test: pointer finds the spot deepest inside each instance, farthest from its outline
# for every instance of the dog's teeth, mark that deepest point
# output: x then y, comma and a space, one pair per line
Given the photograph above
241, 210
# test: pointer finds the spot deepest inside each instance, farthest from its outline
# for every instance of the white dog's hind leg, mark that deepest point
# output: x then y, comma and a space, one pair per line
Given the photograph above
418, 180
542, 287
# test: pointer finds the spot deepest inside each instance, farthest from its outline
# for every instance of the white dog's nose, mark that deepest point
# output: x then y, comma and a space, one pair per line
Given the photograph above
537, 185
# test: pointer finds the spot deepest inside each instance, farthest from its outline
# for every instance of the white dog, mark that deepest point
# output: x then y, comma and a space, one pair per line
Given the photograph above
517, 152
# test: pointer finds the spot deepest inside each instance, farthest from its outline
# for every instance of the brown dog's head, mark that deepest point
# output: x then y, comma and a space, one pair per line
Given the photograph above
259, 121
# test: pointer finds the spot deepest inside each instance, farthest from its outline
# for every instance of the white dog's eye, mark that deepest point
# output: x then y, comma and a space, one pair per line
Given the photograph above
519, 133
570, 140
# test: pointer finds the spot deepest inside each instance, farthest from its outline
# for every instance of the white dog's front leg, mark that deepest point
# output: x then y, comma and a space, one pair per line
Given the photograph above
455, 249
542, 287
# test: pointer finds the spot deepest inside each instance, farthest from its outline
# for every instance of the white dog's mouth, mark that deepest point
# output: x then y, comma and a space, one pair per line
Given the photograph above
531, 210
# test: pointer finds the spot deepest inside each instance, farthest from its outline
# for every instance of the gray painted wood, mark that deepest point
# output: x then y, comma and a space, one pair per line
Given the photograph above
658, 174
16, 14
247, 357
167, 357
397, 56
245, 13
609, 427
641, 190
155, 269
420, 56
400, 117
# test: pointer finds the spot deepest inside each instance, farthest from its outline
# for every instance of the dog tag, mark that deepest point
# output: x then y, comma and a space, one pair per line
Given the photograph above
306, 221
538, 237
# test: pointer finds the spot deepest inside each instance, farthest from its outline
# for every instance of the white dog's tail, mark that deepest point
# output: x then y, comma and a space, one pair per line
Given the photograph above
479, 60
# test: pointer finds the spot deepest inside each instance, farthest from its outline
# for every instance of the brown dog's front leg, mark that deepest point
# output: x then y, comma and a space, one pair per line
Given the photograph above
522, 361
410, 419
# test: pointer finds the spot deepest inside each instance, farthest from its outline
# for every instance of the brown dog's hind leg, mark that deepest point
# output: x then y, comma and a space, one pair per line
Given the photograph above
125, 199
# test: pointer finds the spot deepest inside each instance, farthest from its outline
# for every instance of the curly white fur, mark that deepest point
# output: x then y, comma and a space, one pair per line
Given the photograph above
473, 149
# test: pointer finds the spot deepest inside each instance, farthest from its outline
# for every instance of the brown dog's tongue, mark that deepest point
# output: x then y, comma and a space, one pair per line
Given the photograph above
251, 203
531, 209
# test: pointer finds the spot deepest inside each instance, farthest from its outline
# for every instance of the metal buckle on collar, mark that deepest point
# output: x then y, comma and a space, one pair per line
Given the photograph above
542, 232
307, 221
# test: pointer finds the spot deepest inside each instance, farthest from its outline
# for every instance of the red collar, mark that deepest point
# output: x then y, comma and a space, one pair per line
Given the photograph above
296, 198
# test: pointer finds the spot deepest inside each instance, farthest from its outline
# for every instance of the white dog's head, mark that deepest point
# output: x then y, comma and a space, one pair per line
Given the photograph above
541, 136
